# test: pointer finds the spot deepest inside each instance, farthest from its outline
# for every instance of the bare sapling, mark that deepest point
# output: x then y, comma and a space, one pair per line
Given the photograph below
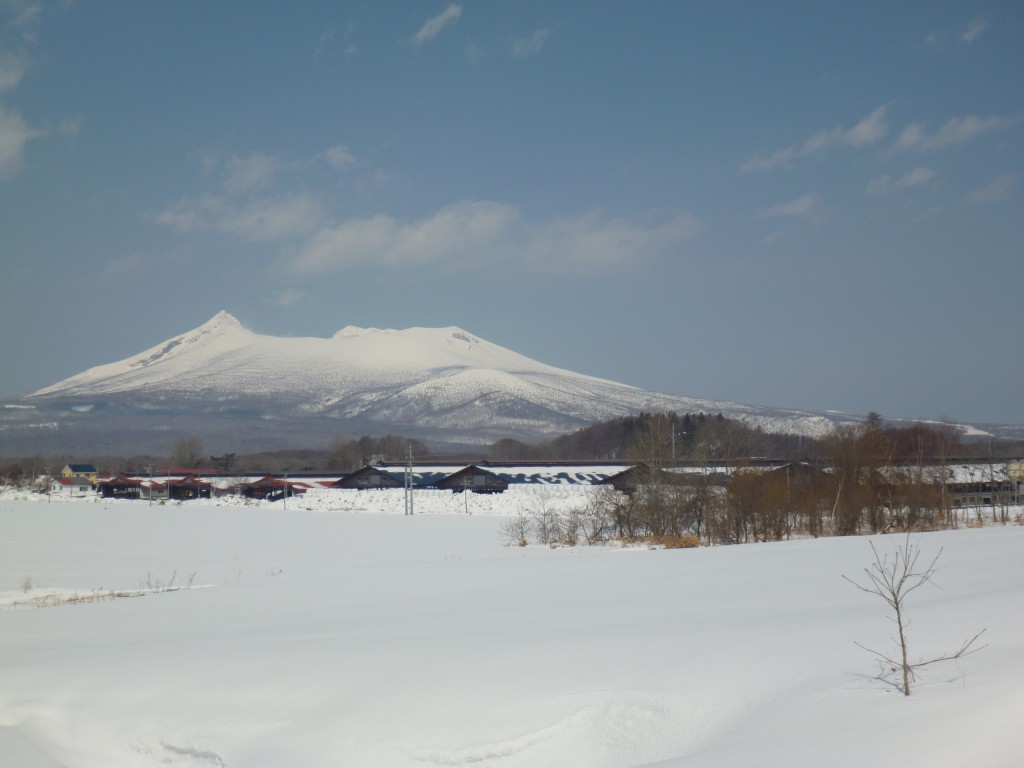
517, 530
892, 578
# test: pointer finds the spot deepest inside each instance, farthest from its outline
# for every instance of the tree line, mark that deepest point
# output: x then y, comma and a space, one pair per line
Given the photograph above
866, 478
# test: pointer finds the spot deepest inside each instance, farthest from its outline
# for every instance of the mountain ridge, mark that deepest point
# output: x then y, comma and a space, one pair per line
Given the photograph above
444, 385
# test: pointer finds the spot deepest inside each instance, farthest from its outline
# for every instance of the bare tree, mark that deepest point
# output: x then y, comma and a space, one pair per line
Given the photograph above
517, 530
226, 462
188, 452
892, 579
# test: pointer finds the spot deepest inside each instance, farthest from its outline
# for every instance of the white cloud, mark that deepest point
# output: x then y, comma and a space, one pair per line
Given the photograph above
997, 190
188, 215
249, 203
273, 219
70, 126
594, 241
457, 232
973, 31
259, 221
434, 26
799, 207
485, 231
958, 130
918, 177
291, 297
12, 68
869, 130
475, 52
15, 133
249, 174
126, 264
340, 158
26, 14
328, 40
532, 45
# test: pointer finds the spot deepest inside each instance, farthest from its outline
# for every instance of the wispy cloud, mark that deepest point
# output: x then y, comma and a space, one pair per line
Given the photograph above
455, 233
251, 173
273, 219
958, 130
475, 52
326, 41
870, 129
265, 220
12, 68
997, 190
291, 297
25, 14
594, 241
69, 126
329, 39
340, 158
126, 264
491, 232
885, 185
532, 45
799, 207
433, 27
249, 202
974, 31
15, 134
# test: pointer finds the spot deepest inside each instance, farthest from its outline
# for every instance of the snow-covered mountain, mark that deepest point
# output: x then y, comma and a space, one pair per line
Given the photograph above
442, 380
438, 384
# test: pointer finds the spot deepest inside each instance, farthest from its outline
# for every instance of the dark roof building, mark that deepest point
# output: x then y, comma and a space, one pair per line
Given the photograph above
270, 488
368, 478
189, 487
120, 487
473, 478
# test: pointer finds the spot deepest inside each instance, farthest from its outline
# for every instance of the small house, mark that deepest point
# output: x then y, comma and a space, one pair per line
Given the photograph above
629, 480
70, 486
79, 470
188, 487
270, 488
473, 478
153, 489
368, 478
120, 487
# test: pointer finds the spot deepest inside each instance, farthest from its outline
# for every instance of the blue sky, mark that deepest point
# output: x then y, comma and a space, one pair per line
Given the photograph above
809, 204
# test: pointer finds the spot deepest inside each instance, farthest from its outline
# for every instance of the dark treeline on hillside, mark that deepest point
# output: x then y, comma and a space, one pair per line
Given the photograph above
690, 438
698, 437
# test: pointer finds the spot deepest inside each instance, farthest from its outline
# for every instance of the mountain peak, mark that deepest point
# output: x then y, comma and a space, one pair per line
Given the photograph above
350, 331
222, 319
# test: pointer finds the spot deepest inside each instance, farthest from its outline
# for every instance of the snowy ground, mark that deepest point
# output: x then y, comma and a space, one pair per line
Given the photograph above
347, 634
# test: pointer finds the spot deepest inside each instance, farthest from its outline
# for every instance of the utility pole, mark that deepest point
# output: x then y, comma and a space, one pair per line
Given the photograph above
286, 490
49, 486
149, 471
408, 484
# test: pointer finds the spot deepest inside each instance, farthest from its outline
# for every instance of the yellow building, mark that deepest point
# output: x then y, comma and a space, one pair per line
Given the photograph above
80, 470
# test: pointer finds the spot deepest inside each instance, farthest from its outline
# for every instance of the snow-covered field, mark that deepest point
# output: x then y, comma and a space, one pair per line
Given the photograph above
347, 634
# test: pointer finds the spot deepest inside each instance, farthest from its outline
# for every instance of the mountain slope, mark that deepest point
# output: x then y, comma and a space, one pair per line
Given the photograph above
441, 384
